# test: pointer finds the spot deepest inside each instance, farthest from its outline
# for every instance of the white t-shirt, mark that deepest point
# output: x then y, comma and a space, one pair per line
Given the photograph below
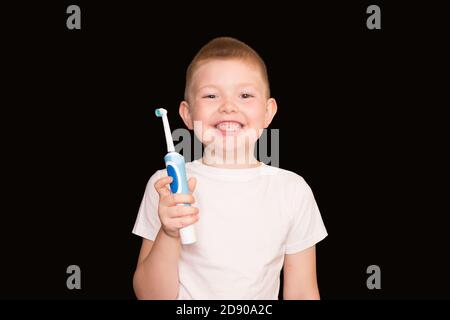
249, 219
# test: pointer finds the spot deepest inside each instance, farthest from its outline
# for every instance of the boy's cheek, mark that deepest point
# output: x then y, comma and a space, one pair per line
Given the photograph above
204, 132
252, 134
201, 104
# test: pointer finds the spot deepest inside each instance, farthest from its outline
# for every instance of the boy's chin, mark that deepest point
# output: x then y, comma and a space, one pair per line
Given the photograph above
229, 144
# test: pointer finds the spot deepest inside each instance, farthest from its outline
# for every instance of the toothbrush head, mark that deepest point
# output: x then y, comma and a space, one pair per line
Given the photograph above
160, 112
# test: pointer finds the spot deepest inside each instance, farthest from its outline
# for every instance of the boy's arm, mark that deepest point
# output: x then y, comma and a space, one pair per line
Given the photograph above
300, 279
156, 275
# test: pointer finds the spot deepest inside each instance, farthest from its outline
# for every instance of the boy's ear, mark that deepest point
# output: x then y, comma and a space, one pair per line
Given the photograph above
185, 114
271, 110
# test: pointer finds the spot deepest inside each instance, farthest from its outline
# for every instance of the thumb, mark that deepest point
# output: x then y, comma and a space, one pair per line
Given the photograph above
192, 182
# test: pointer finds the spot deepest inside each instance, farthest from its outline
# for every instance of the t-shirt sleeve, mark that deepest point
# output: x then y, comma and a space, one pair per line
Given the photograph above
147, 222
307, 227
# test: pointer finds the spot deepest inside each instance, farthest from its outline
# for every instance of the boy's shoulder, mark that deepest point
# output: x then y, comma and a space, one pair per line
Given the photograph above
287, 176
289, 185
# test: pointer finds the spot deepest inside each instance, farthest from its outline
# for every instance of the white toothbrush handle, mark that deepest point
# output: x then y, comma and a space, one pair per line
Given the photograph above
177, 170
187, 235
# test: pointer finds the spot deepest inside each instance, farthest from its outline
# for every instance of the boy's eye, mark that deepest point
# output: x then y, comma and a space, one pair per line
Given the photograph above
246, 95
210, 96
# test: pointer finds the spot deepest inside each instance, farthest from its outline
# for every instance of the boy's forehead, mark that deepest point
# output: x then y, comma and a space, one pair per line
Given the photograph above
225, 65
227, 71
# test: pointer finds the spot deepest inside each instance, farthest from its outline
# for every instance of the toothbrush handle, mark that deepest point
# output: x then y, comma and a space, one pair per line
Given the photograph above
176, 168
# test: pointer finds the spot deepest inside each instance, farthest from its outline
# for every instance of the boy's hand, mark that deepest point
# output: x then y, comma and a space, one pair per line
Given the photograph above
175, 217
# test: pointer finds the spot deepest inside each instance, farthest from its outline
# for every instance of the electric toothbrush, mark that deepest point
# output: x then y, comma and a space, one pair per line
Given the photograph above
175, 166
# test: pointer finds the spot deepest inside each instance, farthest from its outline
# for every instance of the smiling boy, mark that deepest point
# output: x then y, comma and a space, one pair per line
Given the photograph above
251, 219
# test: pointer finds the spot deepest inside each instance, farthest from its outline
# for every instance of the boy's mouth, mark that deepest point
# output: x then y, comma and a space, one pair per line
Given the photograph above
229, 128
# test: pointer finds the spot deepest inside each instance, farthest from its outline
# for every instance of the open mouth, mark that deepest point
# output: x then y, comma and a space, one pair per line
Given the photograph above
228, 128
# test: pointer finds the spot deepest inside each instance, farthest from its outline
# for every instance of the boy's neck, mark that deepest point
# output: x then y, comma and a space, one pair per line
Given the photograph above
220, 162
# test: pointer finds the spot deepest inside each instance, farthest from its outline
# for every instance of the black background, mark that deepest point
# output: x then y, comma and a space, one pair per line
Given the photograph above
360, 118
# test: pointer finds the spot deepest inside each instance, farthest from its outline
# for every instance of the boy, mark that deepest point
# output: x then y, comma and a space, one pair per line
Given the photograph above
250, 218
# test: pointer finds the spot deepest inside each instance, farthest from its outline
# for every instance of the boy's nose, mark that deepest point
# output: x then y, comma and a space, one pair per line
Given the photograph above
228, 107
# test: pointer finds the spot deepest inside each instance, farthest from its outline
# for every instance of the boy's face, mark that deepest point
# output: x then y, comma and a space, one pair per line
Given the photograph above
228, 103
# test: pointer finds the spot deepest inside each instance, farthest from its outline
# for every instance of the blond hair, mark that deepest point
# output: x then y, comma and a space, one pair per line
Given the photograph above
224, 48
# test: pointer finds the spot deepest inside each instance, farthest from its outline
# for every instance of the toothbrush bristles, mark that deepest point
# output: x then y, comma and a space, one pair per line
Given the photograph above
160, 112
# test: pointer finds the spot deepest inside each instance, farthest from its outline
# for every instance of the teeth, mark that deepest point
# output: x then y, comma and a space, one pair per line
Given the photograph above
229, 126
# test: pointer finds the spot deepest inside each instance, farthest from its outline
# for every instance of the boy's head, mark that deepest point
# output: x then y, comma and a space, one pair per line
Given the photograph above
227, 95
226, 48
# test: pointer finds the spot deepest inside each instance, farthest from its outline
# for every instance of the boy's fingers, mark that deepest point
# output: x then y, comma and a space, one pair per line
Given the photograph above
185, 221
192, 182
181, 211
183, 198
162, 187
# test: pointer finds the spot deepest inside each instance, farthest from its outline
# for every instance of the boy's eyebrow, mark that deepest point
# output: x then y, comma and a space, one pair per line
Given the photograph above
207, 86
